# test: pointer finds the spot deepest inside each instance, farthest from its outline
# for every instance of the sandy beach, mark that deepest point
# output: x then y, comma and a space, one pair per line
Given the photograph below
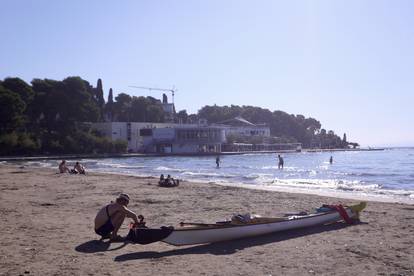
47, 229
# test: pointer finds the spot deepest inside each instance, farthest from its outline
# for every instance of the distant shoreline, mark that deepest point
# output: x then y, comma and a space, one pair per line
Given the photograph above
126, 155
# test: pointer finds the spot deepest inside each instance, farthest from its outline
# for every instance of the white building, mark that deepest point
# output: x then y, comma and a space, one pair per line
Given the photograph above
174, 138
164, 137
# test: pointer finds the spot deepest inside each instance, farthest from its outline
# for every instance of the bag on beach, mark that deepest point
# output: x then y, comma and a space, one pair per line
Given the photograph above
147, 235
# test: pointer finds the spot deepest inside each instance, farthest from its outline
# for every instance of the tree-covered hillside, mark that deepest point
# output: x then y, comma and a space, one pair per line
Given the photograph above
46, 117
53, 117
286, 127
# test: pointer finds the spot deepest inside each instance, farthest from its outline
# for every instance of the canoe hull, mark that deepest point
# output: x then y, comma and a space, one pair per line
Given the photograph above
217, 234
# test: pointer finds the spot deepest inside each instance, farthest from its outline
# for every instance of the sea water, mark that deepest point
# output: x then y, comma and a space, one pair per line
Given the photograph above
386, 175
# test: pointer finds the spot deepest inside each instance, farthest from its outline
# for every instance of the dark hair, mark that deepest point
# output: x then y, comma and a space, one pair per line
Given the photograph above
119, 200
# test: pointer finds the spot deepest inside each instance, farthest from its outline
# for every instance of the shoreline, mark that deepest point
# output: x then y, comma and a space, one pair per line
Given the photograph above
49, 218
127, 155
340, 194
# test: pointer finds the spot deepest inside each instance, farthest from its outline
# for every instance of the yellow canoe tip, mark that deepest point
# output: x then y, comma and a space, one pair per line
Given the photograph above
358, 207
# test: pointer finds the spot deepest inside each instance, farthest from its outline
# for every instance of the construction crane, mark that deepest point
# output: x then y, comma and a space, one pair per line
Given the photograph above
173, 90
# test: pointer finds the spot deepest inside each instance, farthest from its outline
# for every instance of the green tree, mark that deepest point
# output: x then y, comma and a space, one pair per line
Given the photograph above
80, 106
110, 96
155, 113
48, 101
122, 107
19, 87
99, 98
287, 126
182, 116
99, 94
11, 110
109, 107
138, 110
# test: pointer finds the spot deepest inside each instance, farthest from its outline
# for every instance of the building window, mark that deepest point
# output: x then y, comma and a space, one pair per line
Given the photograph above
145, 132
129, 131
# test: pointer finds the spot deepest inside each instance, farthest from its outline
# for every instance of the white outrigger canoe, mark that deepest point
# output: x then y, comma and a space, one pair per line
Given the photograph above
199, 233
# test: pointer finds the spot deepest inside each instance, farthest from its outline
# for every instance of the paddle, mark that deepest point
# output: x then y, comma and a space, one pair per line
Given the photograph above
202, 224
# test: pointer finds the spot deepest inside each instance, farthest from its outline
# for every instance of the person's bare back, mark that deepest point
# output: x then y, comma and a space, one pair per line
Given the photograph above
63, 168
110, 218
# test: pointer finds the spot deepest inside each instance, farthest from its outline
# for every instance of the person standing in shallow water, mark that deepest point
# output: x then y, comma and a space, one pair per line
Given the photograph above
281, 162
218, 161
331, 160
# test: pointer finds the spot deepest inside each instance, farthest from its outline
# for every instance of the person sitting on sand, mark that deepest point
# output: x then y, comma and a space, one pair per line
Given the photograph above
174, 182
162, 180
110, 218
171, 182
63, 168
79, 168
168, 182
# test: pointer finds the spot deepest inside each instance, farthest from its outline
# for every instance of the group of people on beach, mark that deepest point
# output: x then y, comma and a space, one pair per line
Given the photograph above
77, 169
168, 181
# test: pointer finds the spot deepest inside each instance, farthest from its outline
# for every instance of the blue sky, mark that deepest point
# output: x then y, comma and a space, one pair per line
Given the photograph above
348, 64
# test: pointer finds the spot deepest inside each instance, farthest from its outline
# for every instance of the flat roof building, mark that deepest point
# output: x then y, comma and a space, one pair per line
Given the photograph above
172, 138
164, 137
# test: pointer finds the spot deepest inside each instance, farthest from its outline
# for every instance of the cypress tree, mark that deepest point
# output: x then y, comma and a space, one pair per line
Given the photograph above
109, 107
99, 93
110, 97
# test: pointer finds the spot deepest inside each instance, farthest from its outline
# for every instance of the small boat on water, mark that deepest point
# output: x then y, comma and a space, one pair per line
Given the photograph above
200, 233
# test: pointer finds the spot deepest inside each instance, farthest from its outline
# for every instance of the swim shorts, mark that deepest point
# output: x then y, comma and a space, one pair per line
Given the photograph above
105, 229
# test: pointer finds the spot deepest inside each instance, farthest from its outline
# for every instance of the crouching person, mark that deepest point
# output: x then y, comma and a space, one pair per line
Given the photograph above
110, 218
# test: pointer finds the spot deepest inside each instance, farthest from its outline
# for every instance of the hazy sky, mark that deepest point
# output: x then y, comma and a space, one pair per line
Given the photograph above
348, 63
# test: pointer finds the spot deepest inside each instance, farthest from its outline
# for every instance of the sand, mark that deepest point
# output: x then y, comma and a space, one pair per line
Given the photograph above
47, 229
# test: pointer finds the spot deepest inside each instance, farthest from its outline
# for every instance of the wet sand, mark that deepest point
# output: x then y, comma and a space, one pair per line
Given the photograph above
47, 229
